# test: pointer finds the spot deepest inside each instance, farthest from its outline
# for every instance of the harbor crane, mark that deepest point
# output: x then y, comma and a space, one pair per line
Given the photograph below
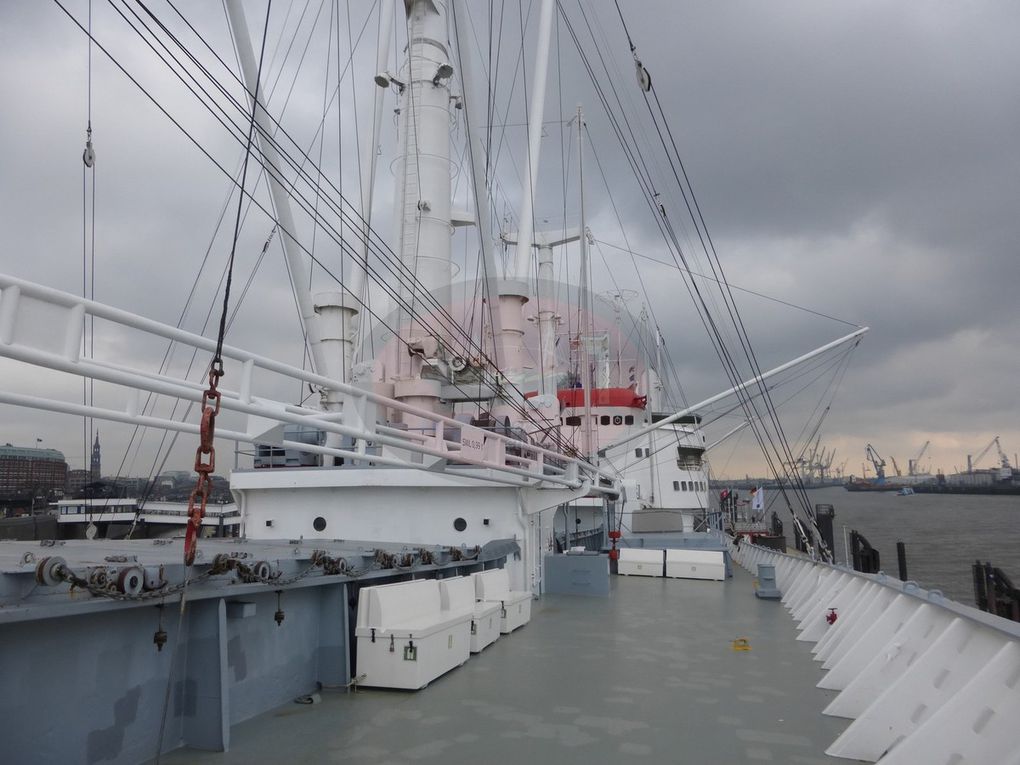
914, 465
895, 465
877, 461
973, 462
1005, 469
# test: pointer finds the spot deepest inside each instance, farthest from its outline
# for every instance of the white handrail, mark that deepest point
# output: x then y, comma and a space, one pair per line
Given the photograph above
534, 464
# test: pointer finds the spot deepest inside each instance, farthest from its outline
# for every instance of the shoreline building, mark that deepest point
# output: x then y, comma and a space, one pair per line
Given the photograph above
28, 473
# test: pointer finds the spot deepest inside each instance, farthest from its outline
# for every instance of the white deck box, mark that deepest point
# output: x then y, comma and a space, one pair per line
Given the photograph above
639, 561
405, 638
696, 564
493, 586
458, 594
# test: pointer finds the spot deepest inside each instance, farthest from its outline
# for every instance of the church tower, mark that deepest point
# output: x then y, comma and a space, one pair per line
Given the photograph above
96, 467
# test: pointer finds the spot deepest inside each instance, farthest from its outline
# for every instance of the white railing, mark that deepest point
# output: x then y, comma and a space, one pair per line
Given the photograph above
504, 459
923, 678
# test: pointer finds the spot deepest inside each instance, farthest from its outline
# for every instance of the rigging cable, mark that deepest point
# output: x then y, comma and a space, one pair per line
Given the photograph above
205, 455
88, 287
158, 463
392, 263
376, 243
667, 228
444, 314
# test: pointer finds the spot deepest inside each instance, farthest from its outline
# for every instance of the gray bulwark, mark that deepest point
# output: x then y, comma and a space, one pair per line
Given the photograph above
648, 674
81, 680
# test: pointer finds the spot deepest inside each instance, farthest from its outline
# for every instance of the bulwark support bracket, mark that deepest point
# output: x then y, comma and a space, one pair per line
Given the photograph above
202, 697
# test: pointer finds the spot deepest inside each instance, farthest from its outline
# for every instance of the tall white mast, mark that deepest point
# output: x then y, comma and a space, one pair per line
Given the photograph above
370, 152
423, 192
522, 263
331, 367
479, 182
585, 295
651, 404
514, 293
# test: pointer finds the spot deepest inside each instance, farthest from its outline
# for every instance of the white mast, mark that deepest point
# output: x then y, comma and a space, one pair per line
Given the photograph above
585, 294
479, 182
330, 367
514, 293
522, 263
370, 151
651, 405
544, 242
423, 193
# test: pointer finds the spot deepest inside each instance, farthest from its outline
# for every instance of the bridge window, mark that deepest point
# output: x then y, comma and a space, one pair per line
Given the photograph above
628, 420
676, 486
574, 422
604, 419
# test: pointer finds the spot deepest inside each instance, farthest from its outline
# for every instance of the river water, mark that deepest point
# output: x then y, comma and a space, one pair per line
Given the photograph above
944, 534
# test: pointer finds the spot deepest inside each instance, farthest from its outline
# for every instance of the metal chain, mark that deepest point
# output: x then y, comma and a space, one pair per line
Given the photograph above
205, 463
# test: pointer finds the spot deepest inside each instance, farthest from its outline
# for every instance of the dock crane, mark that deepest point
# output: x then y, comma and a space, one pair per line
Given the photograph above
1005, 469
914, 465
877, 461
826, 464
973, 462
896, 466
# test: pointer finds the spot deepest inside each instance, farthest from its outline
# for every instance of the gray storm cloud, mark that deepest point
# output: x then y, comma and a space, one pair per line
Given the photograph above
859, 159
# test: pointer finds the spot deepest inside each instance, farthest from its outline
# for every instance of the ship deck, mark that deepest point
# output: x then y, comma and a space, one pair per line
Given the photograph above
647, 674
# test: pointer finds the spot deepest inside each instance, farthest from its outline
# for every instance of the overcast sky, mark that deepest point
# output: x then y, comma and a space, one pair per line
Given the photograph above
859, 159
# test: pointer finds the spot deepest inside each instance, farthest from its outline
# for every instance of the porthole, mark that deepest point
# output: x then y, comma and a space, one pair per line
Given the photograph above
459, 524
319, 524
617, 419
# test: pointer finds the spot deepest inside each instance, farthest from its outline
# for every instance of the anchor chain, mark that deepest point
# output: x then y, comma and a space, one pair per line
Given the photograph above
205, 462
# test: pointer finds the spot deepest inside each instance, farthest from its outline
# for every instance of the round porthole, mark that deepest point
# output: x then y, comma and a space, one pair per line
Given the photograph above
460, 524
319, 524
617, 419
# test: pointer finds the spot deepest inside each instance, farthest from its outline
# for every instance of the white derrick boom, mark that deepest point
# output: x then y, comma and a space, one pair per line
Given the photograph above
737, 388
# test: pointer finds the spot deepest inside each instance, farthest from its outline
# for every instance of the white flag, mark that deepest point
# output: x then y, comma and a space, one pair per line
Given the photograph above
758, 500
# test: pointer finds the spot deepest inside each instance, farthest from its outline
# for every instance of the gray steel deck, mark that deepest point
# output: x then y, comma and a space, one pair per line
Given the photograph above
648, 674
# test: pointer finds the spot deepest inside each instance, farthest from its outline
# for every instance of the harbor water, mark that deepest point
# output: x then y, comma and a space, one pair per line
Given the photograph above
944, 533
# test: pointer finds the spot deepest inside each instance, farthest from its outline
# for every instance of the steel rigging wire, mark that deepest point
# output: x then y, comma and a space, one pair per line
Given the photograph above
714, 261
380, 249
644, 180
204, 467
158, 462
377, 247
